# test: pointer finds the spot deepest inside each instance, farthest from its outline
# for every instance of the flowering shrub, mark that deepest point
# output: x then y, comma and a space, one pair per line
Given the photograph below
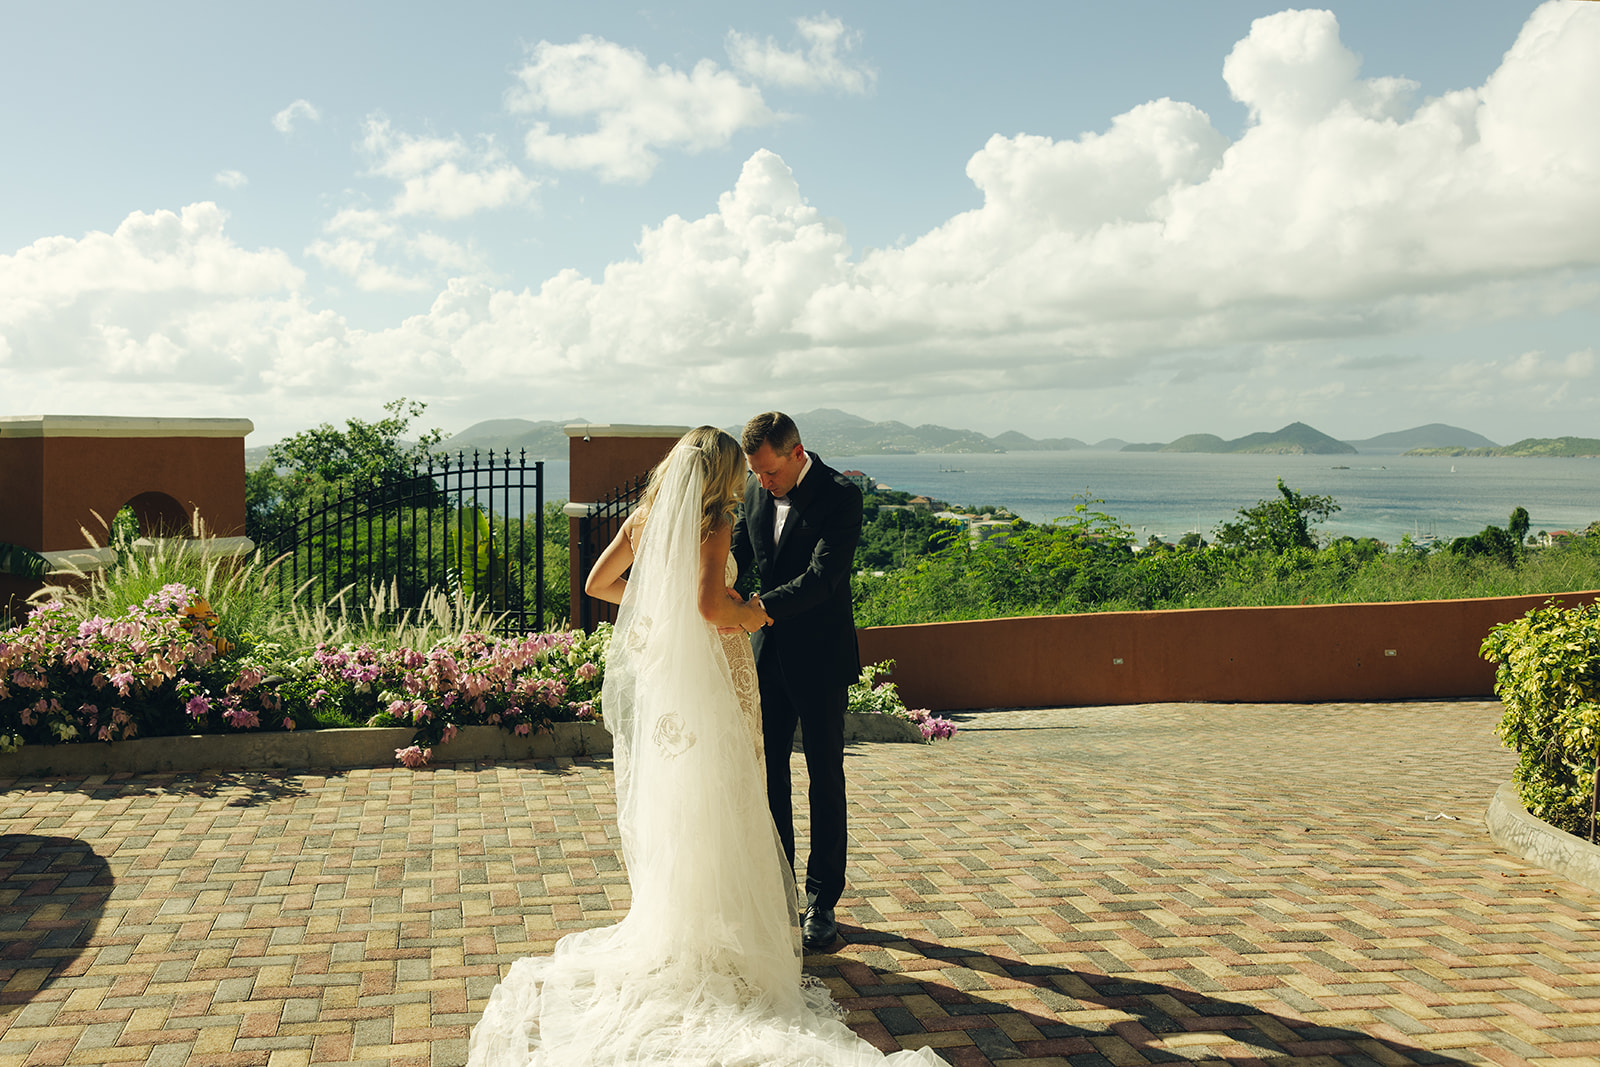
150, 671
156, 671
868, 696
522, 684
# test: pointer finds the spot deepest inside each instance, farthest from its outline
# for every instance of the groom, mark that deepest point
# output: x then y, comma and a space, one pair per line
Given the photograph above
800, 525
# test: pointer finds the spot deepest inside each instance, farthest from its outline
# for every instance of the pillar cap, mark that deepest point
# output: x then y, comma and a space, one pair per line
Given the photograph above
622, 429
119, 426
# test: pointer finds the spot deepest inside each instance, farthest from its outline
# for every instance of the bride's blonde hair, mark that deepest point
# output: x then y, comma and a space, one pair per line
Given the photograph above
722, 466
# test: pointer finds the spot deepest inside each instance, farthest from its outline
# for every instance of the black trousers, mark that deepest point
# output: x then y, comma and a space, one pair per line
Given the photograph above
820, 714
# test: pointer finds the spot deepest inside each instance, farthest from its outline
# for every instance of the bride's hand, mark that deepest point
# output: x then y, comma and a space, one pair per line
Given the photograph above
733, 595
761, 611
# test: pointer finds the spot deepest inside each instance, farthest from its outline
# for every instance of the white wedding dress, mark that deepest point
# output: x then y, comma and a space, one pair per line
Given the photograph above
705, 968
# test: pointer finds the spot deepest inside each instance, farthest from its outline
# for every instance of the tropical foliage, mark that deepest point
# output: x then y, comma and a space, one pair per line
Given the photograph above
1548, 678
1269, 553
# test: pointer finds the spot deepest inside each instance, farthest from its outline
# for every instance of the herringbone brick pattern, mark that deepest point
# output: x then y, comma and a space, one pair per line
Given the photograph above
1095, 886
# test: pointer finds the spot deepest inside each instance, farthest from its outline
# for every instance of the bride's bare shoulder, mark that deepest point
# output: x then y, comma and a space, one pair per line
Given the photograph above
633, 526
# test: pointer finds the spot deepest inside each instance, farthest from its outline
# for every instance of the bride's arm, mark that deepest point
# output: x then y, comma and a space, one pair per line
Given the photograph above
606, 581
716, 606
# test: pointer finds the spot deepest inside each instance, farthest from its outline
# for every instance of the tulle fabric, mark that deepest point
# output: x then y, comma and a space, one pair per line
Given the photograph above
705, 968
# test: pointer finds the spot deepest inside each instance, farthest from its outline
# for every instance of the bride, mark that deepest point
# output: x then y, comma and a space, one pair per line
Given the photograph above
705, 968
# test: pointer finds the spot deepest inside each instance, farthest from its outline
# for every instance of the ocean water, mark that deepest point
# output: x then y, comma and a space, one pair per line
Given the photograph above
1382, 496
1170, 494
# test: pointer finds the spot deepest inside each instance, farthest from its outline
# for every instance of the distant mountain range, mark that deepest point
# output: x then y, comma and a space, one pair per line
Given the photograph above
1295, 439
832, 432
1433, 435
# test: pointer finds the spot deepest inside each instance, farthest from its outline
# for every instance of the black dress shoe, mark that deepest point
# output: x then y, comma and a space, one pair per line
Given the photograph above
818, 931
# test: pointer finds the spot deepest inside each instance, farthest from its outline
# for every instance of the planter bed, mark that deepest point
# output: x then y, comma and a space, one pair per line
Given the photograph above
358, 747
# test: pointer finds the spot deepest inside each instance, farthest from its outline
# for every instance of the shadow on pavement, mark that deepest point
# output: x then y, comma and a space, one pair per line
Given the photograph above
252, 787
1158, 1010
249, 788
53, 891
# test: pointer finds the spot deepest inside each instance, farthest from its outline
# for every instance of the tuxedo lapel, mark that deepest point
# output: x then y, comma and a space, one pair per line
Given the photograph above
761, 530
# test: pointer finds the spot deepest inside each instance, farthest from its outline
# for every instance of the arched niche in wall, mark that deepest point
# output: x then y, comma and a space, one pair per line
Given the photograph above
160, 515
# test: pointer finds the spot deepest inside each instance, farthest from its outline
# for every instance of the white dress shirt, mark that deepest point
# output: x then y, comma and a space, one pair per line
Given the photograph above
781, 504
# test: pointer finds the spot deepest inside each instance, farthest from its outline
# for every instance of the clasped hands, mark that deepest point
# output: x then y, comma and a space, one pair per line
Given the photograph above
755, 601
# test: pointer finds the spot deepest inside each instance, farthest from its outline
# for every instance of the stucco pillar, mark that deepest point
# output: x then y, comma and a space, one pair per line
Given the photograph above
57, 472
605, 457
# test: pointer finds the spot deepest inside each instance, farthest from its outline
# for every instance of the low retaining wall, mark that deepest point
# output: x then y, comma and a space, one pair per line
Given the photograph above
1536, 841
1296, 655
359, 747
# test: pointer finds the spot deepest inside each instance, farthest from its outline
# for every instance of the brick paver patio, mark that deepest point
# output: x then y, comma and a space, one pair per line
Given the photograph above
1107, 886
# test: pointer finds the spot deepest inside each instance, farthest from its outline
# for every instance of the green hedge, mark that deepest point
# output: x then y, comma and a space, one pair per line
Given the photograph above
1548, 678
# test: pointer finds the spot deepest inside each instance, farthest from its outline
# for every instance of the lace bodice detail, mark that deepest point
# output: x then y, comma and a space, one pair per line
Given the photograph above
742, 665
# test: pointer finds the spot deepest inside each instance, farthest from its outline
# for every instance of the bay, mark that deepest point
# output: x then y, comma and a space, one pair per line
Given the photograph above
1169, 494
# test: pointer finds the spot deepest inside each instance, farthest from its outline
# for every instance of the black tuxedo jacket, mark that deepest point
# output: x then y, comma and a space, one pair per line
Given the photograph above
804, 578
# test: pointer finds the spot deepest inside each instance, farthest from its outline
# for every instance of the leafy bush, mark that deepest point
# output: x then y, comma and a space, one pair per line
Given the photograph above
868, 696
151, 671
1548, 678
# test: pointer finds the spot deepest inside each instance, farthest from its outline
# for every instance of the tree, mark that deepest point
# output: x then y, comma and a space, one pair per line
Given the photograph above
1506, 545
311, 462
1517, 526
1277, 525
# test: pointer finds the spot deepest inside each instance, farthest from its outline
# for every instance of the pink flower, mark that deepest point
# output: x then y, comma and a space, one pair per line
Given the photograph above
522, 730
587, 671
288, 723
241, 718
450, 732
197, 706
414, 756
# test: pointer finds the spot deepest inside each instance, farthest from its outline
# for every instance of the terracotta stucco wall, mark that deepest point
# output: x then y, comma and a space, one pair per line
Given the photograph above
205, 477
1311, 654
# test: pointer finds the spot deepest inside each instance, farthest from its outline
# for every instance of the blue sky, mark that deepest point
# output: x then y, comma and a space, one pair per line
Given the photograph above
1134, 220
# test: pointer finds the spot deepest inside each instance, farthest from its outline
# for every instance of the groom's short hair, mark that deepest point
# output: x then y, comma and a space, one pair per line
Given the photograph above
770, 428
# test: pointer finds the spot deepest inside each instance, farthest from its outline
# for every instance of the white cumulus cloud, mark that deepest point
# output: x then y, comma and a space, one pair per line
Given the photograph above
232, 179
435, 181
634, 108
820, 63
358, 260
1154, 246
165, 297
284, 120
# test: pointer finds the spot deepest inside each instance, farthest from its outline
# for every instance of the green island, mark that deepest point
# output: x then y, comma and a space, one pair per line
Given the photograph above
1544, 447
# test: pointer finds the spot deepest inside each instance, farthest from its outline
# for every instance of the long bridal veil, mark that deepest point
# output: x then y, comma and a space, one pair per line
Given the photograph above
705, 968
